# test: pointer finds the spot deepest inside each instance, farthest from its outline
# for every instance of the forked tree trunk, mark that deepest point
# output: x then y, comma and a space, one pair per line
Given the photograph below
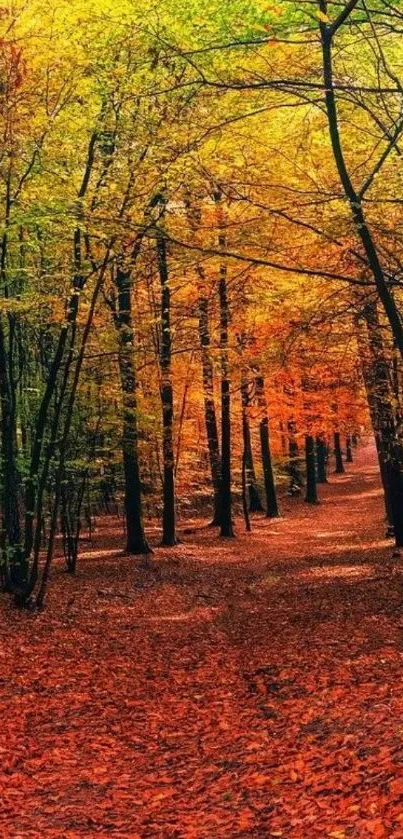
354, 196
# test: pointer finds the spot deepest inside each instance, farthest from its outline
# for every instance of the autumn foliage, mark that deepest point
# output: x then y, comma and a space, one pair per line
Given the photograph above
200, 324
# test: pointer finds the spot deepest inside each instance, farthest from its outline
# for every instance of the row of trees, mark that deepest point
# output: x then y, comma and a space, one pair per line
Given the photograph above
200, 260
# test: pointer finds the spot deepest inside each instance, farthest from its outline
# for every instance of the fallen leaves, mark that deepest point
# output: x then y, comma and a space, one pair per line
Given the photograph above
277, 716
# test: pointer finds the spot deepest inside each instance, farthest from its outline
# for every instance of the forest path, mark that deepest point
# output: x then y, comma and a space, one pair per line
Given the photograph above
240, 689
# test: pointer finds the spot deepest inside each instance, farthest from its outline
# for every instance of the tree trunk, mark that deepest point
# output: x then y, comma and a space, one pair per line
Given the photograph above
255, 504
272, 510
355, 199
226, 497
169, 537
321, 459
209, 408
394, 469
226, 528
244, 492
338, 455
13, 568
311, 496
293, 464
349, 449
136, 542
376, 377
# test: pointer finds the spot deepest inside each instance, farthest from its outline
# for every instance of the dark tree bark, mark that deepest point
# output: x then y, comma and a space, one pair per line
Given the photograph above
68, 416
255, 504
386, 424
374, 372
12, 565
355, 197
272, 510
321, 459
338, 454
391, 469
244, 491
283, 438
311, 496
394, 473
209, 408
349, 449
293, 462
136, 542
225, 489
169, 537
226, 528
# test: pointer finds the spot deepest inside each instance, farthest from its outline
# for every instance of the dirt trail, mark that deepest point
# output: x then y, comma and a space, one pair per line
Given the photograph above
238, 689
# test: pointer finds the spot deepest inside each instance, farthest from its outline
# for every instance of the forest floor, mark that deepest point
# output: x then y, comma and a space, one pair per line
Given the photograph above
240, 689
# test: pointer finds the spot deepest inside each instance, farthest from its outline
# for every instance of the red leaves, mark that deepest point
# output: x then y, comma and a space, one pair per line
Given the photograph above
278, 716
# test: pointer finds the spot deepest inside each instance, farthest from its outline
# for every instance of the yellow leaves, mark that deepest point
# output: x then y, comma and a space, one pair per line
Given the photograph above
323, 18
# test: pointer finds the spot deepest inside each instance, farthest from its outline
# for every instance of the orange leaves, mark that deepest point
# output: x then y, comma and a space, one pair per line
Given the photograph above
396, 787
283, 720
375, 828
246, 819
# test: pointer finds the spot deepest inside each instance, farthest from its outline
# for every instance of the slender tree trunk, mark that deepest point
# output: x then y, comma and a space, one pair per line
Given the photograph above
311, 496
226, 496
321, 459
255, 504
293, 463
13, 568
209, 407
272, 510
338, 454
136, 542
226, 528
283, 438
349, 449
64, 442
244, 489
169, 537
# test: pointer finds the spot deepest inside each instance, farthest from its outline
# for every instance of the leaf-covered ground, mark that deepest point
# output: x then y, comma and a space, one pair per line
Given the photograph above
237, 689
